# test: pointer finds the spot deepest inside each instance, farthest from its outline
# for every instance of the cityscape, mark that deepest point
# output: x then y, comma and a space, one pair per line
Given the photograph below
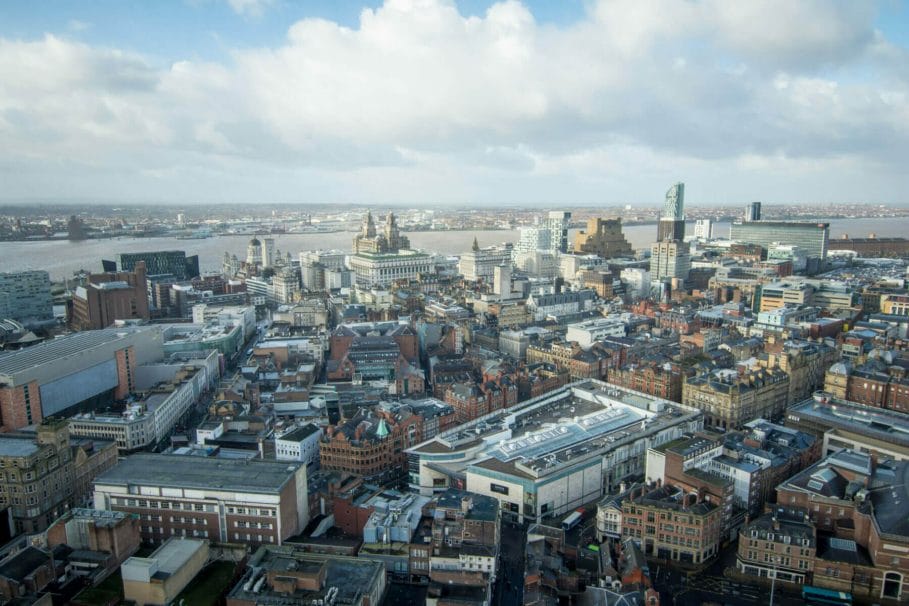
562, 416
422, 302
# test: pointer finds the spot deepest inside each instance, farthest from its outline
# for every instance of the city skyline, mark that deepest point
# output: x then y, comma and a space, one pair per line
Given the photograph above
468, 103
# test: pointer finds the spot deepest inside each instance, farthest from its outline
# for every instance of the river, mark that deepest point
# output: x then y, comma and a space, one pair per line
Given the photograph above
63, 257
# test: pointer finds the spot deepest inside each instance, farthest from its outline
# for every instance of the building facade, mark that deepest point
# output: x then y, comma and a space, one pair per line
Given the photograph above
224, 500
83, 371
604, 238
669, 259
108, 297
26, 295
730, 400
481, 263
42, 474
811, 238
172, 262
672, 524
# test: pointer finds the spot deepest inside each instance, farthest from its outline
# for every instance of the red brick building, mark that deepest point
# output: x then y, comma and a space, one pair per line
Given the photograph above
371, 444
108, 297
663, 380
475, 399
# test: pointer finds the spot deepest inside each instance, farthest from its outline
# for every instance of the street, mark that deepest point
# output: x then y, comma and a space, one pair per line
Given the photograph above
509, 587
711, 586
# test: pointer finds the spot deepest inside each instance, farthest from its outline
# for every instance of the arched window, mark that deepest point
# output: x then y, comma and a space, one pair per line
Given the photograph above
893, 585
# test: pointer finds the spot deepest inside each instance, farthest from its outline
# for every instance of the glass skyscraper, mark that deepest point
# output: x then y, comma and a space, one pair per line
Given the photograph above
672, 221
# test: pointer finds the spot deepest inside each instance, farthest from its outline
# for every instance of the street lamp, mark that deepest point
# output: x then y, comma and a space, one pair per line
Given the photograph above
775, 560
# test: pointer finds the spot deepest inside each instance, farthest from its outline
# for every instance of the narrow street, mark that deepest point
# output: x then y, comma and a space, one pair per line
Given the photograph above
509, 587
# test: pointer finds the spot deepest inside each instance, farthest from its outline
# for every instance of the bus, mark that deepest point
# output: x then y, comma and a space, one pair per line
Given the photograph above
816, 595
571, 521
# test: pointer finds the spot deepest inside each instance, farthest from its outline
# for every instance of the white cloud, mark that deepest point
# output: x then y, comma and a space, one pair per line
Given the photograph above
76, 25
250, 8
485, 107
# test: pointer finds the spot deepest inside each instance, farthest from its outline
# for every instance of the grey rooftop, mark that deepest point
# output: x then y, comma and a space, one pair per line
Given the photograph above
182, 471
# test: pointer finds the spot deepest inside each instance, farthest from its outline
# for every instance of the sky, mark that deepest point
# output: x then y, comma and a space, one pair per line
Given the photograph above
443, 102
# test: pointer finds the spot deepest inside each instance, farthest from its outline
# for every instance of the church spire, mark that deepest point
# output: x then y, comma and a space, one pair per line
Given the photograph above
476, 245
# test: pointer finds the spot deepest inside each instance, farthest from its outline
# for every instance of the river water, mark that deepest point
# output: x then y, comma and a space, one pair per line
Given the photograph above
62, 257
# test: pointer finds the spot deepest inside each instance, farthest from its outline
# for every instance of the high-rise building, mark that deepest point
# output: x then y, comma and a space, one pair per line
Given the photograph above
753, 211
703, 229
268, 252
604, 238
548, 236
110, 296
672, 221
75, 228
26, 295
669, 259
316, 267
254, 252
502, 280
532, 239
557, 222
811, 238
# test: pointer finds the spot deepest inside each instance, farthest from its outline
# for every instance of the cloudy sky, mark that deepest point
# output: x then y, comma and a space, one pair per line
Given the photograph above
414, 102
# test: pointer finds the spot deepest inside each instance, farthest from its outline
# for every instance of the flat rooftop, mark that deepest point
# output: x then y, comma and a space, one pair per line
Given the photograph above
174, 554
885, 425
17, 446
572, 423
101, 517
300, 433
197, 333
348, 578
50, 352
182, 471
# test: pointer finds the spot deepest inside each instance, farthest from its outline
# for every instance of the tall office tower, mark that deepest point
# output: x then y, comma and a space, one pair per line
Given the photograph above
254, 252
502, 280
672, 222
557, 222
268, 252
26, 295
753, 211
669, 259
703, 229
